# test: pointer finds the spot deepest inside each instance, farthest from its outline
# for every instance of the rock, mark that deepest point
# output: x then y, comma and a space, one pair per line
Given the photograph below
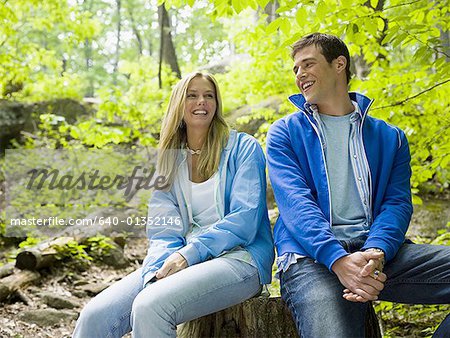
93, 288
58, 301
79, 293
222, 66
16, 117
115, 257
47, 317
429, 217
251, 126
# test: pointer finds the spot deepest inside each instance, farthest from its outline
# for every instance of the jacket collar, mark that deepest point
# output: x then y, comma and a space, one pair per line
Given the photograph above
361, 100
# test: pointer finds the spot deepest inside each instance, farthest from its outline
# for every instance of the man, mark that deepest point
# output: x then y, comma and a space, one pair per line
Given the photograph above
342, 185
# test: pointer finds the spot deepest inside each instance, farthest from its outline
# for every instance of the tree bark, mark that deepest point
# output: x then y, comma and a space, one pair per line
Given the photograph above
119, 28
259, 317
89, 62
44, 254
135, 30
167, 53
41, 256
271, 11
6, 270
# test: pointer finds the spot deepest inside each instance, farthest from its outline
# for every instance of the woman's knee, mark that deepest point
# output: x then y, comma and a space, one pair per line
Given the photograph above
148, 305
93, 312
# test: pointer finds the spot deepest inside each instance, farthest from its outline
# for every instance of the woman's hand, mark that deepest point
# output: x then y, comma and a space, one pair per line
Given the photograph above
174, 263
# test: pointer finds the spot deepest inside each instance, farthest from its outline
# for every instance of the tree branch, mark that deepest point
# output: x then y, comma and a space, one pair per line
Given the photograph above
412, 97
403, 4
423, 43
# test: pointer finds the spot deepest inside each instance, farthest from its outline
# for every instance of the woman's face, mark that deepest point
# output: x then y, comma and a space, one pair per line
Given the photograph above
200, 106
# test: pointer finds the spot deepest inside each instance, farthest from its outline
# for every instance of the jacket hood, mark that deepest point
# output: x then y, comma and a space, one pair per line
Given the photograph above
363, 102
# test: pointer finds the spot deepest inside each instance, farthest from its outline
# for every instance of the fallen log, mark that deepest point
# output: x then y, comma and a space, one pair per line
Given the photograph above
259, 317
11, 284
6, 270
41, 256
45, 254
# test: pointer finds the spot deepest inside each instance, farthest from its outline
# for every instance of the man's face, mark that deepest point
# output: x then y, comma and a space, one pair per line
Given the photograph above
314, 76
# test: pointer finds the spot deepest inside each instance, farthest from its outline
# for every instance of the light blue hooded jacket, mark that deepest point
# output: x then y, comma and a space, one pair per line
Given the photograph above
241, 205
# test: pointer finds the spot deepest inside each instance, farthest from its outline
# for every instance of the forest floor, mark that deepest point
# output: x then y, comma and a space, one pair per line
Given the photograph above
32, 313
38, 319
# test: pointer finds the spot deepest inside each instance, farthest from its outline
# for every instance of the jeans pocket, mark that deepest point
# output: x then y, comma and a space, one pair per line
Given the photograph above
243, 270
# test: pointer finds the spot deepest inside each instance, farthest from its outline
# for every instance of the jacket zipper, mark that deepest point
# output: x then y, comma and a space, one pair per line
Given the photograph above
366, 161
325, 163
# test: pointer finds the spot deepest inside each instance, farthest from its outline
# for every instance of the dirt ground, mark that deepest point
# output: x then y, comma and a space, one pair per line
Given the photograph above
68, 283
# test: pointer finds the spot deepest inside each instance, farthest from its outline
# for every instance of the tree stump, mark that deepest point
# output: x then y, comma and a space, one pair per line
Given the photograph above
259, 317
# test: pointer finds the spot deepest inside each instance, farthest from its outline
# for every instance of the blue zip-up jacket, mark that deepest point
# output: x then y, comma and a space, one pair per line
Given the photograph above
241, 200
298, 175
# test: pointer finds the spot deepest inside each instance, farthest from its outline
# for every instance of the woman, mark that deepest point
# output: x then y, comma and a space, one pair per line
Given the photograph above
212, 247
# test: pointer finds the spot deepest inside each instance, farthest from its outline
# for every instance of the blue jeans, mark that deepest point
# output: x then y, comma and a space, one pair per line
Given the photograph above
418, 274
156, 310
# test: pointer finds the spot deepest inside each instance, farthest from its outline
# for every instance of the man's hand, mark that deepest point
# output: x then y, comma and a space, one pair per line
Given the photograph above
174, 263
374, 269
357, 273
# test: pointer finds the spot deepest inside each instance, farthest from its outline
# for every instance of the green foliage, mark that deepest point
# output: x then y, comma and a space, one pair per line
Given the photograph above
443, 237
54, 48
73, 251
29, 242
2, 223
99, 246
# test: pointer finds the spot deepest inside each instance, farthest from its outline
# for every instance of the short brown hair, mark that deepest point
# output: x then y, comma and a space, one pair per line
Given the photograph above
331, 47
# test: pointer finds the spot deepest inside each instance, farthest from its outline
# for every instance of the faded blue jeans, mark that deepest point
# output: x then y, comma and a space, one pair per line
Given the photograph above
155, 311
418, 274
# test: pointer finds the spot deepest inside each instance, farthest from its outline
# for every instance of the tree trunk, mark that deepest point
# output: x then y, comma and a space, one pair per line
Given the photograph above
88, 56
119, 27
167, 52
11, 284
135, 30
259, 317
271, 11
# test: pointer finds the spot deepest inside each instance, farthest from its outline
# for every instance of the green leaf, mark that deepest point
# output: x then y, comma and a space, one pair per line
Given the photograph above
285, 26
273, 26
301, 16
263, 3
380, 24
321, 10
417, 200
239, 5
371, 25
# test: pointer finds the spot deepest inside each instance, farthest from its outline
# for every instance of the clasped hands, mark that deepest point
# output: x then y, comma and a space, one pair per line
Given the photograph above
361, 274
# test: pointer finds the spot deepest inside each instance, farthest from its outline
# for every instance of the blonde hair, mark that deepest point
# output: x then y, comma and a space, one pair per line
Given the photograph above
173, 133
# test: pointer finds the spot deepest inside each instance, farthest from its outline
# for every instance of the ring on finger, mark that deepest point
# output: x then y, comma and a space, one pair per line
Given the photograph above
376, 273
